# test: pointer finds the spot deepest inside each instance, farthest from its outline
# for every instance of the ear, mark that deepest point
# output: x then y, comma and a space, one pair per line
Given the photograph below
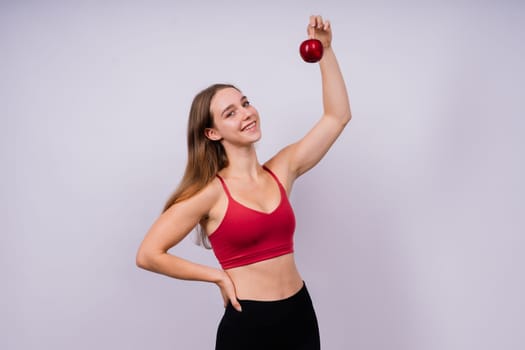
212, 134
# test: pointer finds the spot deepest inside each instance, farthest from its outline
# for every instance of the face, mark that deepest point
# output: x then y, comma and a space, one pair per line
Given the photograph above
235, 120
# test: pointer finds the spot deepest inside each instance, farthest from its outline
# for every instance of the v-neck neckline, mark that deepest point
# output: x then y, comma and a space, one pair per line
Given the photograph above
232, 199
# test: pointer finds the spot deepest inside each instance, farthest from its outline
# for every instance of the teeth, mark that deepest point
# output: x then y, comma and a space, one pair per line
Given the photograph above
249, 126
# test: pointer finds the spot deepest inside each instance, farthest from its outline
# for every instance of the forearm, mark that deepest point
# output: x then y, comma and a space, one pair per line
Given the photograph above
180, 268
335, 96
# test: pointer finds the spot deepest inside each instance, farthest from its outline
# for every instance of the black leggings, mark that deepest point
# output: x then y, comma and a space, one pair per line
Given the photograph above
288, 324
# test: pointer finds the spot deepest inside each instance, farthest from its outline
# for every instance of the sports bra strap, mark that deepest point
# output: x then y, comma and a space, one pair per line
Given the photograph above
271, 173
281, 189
224, 186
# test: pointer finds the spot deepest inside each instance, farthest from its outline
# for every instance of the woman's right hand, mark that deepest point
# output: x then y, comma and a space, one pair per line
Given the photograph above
228, 291
320, 29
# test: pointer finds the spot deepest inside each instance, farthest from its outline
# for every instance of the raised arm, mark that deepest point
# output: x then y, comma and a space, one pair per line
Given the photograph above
301, 156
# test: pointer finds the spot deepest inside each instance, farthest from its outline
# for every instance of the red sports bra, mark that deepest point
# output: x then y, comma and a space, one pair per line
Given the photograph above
246, 236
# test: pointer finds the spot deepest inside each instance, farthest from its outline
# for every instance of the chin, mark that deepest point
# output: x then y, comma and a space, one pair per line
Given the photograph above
258, 137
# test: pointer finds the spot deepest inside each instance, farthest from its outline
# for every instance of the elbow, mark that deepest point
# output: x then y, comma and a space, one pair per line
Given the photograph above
143, 260
342, 117
347, 117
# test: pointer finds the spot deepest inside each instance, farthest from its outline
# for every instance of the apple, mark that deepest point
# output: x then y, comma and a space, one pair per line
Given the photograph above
311, 50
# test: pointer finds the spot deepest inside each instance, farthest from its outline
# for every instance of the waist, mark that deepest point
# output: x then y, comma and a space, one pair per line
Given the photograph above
272, 279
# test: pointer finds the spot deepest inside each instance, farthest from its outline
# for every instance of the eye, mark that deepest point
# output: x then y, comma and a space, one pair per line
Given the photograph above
246, 103
230, 114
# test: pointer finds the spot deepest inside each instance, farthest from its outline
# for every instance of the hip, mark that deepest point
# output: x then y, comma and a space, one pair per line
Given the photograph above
288, 323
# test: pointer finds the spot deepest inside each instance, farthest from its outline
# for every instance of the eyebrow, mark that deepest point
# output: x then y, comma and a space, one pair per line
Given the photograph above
232, 105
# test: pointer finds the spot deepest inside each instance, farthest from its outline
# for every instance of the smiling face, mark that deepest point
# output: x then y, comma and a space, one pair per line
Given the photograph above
235, 120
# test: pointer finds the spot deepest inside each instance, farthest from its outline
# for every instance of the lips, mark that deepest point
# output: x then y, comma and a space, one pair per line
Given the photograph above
248, 126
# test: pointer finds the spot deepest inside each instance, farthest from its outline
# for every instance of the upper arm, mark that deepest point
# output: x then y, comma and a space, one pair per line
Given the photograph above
299, 157
178, 221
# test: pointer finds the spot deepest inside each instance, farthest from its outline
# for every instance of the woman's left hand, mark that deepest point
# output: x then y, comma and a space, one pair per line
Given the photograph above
320, 29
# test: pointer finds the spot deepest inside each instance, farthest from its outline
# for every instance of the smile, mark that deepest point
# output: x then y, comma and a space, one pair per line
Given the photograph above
249, 126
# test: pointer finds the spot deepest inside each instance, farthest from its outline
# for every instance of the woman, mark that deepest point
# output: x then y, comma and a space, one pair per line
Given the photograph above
242, 207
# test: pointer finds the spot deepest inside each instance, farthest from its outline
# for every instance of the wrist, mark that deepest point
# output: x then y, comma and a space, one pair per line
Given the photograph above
219, 277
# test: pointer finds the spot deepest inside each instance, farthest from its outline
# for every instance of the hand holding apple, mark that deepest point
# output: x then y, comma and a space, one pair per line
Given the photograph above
320, 38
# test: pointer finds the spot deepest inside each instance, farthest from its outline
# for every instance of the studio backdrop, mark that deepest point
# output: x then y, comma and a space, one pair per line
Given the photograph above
409, 233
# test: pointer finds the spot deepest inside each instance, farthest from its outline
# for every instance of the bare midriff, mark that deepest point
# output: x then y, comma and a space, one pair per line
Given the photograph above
272, 279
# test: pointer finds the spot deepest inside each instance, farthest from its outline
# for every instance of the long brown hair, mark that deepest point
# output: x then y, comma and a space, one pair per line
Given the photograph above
205, 157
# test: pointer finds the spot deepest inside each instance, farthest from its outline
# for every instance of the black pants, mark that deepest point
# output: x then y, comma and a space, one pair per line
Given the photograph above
288, 324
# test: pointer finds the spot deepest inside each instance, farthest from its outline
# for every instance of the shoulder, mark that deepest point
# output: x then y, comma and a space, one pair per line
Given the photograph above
280, 166
201, 202
210, 194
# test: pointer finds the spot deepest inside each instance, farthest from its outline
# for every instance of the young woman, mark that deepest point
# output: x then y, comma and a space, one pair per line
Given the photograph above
242, 207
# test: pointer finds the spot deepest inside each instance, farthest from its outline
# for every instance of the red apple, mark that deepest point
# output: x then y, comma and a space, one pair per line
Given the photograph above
311, 50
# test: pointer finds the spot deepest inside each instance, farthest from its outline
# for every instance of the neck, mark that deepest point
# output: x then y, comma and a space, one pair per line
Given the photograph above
243, 163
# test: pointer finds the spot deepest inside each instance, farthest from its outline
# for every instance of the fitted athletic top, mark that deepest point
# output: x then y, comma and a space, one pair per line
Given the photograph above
246, 235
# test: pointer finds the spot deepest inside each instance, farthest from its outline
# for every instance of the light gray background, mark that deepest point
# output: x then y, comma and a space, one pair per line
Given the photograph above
410, 232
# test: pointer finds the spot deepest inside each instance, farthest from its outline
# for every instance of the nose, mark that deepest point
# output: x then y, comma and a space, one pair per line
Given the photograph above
247, 112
